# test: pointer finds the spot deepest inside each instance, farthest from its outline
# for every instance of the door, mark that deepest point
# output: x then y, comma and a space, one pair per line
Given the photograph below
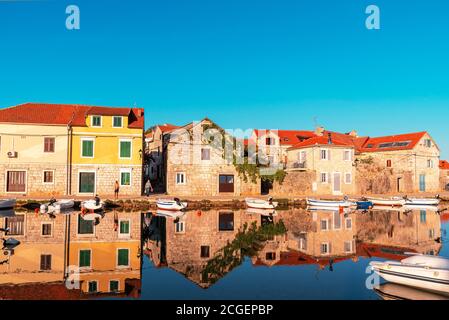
87, 182
226, 183
337, 182
16, 181
422, 182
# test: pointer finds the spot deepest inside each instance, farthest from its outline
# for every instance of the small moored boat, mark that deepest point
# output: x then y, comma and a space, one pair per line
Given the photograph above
393, 201
422, 201
329, 203
171, 205
7, 203
393, 291
263, 212
419, 271
170, 213
260, 203
345, 210
364, 205
92, 205
57, 206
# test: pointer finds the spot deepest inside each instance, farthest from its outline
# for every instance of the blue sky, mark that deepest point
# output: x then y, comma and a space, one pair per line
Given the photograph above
285, 64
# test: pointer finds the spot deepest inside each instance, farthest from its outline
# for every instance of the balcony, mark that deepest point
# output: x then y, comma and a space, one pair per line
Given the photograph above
298, 166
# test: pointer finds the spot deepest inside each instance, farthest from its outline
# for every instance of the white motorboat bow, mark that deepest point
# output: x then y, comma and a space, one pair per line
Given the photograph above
419, 271
57, 206
329, 203
392, 202
7, 203
171, 205
260, 203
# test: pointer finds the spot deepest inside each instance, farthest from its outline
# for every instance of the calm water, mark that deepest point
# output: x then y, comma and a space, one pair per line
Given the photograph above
294, 254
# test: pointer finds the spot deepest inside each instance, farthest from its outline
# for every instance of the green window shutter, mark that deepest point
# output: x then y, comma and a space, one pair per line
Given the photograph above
125, 178
88, 148
84, 258
124, 227
123, 259
117, 122
125, 149
113, 286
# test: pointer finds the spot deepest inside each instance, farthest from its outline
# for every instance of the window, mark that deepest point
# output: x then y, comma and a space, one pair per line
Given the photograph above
348, 178
46, 229
270, 141
49, 176
123, 257
302, 156
49, 144
125, 149
205, 154
125, 177
324, 225
348, 223
270, 256
347, 156
15, 225
337, 220
117, 122
93, 286
85, 226
205, 252
324, 154
388, 163
428, 143
303, 244
226, 221
96, 121
124, 227
430, 163
394, 144
431, 234
348, 247
423, 216
180, 178
45, 262
84, 257
87, 148
179, 227
113, 286
324, 177
325, 248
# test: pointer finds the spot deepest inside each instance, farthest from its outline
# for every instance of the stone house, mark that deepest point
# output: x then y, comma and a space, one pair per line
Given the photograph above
199, 166
328, 161
444, 175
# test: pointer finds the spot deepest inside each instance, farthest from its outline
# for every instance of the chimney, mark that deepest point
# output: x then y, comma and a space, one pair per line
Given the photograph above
139, 112
329, 138
319, 131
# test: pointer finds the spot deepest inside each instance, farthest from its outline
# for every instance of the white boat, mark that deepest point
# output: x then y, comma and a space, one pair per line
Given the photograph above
403, 209
392, 202
57, 206
263, 212
332, 209
422, 201
393, 291
329, 203
7, 203
171, 205
92, 205
92, 216
418, 271
413, 207
260, 203
170, 213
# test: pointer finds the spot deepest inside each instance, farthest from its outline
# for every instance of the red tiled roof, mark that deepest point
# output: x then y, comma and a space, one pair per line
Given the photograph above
64, 114
289, 137
382, 251
444, 165
321, 141
167, 127
372, 144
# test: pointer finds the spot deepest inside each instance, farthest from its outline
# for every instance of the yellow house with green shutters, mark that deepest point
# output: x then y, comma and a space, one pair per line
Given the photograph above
107, 146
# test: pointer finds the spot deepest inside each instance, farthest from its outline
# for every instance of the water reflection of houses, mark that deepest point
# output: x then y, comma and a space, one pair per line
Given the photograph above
187, 244
107, 254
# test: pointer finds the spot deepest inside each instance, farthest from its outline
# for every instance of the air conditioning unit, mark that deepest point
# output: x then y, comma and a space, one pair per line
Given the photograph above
12, 154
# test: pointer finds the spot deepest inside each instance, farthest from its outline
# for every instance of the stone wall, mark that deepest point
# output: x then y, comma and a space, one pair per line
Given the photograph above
295, 183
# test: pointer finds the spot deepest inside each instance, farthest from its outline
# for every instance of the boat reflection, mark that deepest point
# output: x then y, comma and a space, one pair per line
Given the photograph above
105, 257
392, 291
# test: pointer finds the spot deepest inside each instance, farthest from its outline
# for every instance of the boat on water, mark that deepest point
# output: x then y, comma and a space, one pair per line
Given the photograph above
263, 212
393, 291
92, 216
7, 203
419, 271
329, 203
410, 207
392, 202
423, 201
171, 205
57, 206
92, 205
10, 243
260, 203
364, 205
7, 213
332, 209
170, 213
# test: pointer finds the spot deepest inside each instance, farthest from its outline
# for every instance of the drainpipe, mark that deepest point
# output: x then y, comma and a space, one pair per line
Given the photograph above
69, 156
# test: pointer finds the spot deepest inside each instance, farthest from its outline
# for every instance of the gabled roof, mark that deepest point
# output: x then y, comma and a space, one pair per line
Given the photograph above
288, 137
65, 114
444, 165
323, 141
393, 143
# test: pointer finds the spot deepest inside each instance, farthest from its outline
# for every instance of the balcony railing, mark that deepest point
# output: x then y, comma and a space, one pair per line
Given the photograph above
298, 165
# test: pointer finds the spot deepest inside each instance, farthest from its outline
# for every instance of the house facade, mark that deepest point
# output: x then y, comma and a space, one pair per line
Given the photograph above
197, 167
53, 149
444, 175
